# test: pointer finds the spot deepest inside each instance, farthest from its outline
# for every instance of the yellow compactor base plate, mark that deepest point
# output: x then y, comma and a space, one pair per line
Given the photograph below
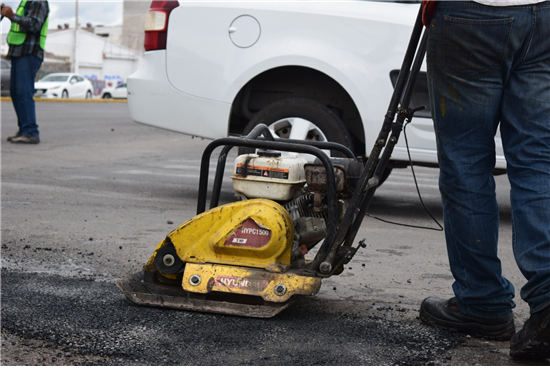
222, 289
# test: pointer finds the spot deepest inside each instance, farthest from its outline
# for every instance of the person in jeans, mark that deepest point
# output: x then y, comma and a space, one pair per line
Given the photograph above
489, 65
26, 40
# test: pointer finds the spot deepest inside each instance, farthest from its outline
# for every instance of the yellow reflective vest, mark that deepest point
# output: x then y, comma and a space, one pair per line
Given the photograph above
16, 36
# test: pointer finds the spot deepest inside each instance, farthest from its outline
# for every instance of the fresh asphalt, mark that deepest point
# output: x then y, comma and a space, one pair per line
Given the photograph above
87, 317
89, 204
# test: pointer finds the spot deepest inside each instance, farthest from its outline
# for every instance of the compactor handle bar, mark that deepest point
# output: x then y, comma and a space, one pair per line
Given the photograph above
289, 145
375, 166
255, 134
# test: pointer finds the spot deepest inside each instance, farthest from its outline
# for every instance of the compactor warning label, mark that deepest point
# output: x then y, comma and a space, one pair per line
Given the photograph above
265, 172
250, 234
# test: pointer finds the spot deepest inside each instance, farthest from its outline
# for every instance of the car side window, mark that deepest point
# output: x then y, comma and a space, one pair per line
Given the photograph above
73, 80
79, 79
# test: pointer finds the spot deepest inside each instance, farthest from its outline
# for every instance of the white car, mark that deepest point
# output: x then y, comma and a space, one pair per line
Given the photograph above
63, 85
119, 91
314, 70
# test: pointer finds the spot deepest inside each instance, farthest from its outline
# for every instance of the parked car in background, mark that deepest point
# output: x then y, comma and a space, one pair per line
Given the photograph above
309, 70
119, 91
6, 77
63, 85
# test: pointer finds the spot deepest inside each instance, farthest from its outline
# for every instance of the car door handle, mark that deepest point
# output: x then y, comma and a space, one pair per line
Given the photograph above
232, 29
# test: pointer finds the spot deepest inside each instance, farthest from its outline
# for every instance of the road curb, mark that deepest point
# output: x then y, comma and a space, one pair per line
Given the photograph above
8, 99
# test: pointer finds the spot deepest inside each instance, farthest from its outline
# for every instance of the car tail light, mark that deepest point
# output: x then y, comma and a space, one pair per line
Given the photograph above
156, 24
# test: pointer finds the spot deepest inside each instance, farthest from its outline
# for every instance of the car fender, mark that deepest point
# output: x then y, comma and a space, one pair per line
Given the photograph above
357, 73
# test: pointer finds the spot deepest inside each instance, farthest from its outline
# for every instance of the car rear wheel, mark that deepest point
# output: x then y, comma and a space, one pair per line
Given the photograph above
300, 118
107, 95
88, 95
65, 94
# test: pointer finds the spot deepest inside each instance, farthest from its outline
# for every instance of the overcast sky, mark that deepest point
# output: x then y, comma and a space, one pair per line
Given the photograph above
104, 12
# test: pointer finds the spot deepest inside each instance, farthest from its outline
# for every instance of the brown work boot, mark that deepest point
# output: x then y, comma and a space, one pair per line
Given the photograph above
26, 140
9, 139
532, 342
444, 313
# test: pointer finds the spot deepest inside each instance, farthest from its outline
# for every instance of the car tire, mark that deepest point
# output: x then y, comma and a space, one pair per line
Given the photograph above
106, 96
331, 126
314, 121
88, 95
65, 94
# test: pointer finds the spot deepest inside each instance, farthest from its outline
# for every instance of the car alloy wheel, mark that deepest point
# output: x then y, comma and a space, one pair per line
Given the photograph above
300, 118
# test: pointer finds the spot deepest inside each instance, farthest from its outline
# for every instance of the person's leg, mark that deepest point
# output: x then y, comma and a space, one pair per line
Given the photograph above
525, 131
526, 140
467, 44
22, 89
14, 92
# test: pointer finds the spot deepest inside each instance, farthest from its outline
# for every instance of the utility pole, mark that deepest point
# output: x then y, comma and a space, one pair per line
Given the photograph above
74, 68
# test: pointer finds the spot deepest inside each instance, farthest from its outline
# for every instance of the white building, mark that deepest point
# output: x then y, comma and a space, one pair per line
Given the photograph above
114, 33
96, 56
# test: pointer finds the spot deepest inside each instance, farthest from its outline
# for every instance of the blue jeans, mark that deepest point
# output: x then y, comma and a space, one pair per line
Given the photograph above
23, 72
489, 66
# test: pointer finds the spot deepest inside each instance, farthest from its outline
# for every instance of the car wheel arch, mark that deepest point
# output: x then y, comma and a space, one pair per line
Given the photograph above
296, 82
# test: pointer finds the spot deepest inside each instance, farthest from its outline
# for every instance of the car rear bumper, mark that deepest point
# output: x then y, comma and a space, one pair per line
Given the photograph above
152, 100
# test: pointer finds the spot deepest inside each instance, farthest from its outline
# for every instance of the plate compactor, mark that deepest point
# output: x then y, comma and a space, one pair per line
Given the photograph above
250, 257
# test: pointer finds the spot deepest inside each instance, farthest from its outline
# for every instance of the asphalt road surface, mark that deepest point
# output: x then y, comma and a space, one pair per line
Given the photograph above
89, 204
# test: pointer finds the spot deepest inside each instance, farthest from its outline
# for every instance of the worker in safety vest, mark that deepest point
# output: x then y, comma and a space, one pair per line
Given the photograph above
26, 40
